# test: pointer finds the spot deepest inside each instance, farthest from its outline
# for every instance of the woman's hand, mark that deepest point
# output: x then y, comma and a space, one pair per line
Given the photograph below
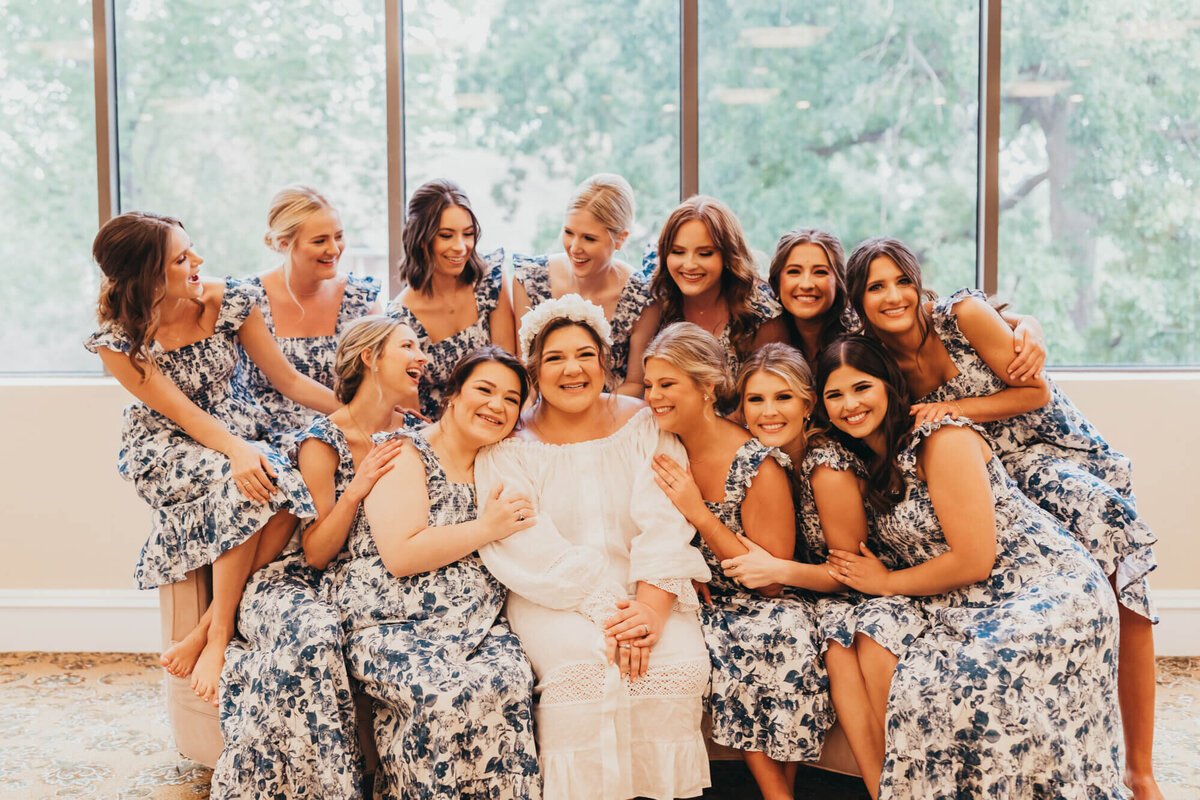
754, 569
679, 486
251, 471
864, 573
632, 661
634, 623
1029, 345
503, 516
934, 412
377, 463
416, 412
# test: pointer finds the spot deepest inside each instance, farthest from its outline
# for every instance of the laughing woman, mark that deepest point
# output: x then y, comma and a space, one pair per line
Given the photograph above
769, 696
425, 635
609, 555
1009, 691
954, 353
455, 300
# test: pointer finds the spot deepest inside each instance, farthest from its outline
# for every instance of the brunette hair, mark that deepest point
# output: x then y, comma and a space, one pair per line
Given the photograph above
607, 197
786, 362
833, 325
533, 360
696, 353
425, 209
738, 277
858, 270
365, 334
482, 355
131, 251
885, 483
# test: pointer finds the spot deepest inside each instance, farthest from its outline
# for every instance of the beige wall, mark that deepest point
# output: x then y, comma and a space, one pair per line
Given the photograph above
70, 522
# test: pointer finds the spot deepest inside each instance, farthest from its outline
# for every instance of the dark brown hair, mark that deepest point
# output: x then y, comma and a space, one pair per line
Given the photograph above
483, 355
832, 326
131, 251
858, 270
885, 483
425, 209
738, 277
533, 360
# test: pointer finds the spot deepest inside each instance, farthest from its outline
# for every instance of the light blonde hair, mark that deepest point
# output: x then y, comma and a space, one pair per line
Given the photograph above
697, 353
365, 334
786, 362
609, 198
290, 208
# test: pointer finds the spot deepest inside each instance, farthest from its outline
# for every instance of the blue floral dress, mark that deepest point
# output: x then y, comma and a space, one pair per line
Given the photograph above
198, 511
769, 691
893, 622
1011, 692
310, 355
444, 354
533, 273
452, 689
1063, 463
288, 715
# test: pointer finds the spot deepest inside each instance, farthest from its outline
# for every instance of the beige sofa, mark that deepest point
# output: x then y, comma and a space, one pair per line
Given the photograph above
197, 729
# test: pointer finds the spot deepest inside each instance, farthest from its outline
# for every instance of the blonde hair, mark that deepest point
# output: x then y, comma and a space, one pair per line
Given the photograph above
697, 353
609, 198
786, 362
290, 208
365, 334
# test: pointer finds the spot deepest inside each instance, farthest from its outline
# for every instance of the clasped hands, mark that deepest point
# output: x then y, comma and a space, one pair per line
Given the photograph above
628, 636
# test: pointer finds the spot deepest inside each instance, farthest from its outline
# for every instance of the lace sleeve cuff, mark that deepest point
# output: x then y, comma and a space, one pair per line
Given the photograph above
600, 605
685, 594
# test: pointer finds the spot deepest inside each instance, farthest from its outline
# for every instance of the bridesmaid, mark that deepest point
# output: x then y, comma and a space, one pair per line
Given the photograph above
769, 694
425, 634
455, 299
1009, 691
706, 275
289, 720
954, 353
863, 635
599, 216
199, 454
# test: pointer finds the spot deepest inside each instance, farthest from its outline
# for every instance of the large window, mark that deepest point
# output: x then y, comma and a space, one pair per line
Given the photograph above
221, 105
1099, 170
859, 118
48, 201
518, 101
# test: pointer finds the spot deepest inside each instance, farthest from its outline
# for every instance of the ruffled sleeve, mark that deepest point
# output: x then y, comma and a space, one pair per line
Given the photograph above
241, 297
360, 294
662, 549
487, 290
533, 273
835, 456
764, 303
110, 336
649, 260
538, 563
908, 456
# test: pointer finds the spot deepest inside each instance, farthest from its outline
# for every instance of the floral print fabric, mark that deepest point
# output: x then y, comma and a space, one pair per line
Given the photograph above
769, 691
198, 513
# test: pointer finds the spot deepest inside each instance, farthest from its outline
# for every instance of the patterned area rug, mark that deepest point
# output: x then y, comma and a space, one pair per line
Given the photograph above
94, 725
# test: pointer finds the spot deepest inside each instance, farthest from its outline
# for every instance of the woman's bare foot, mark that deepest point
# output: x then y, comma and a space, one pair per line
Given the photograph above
1144, 787
180, 658
206, 677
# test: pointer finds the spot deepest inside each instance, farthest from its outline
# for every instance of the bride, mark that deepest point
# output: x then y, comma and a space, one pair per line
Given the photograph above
600, 587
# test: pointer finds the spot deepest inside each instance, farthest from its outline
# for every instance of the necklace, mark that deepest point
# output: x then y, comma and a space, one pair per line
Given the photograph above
361, 432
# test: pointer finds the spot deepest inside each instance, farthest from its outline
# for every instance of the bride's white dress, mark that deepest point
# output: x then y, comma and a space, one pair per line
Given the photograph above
603, 526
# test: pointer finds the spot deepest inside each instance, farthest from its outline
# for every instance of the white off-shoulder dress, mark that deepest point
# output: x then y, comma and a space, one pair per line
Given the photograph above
603, 526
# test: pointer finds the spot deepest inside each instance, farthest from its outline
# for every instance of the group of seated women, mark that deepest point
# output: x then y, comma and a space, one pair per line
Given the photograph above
545, 524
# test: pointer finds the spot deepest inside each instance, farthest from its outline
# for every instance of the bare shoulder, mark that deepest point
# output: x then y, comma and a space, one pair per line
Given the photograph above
956, 444
624, 407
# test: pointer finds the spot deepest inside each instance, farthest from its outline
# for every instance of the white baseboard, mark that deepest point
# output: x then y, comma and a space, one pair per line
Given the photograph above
127, 621
80, 620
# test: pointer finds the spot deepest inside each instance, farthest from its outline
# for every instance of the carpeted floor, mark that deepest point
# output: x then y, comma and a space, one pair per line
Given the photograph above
94, 725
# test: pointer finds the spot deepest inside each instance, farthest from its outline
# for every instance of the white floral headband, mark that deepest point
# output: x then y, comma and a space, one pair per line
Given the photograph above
569, 306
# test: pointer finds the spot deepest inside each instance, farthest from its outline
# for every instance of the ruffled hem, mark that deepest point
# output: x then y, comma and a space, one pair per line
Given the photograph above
920, 778
799, 743
891, 622
665, 770
1133, 576
256, 769
188, 535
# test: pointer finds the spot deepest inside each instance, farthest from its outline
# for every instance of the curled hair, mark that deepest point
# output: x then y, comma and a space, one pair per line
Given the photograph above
832, 325
858, 270
488, 354
363, 335
425, 209
696, 353
533, 359
785, 362
885, 483
131, 251
738, 276
609, 198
